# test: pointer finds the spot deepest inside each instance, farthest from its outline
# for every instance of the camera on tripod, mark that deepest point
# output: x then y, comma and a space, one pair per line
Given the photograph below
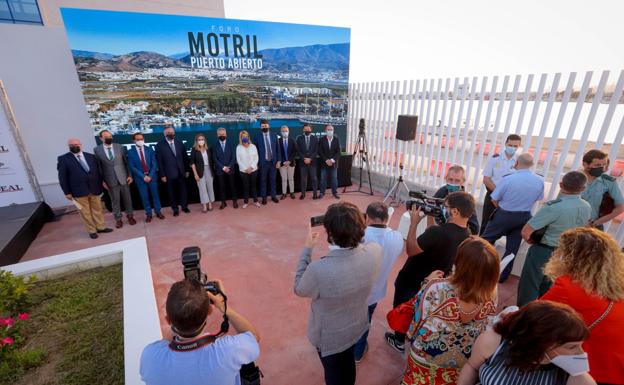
192, 272
431, 206
362, 126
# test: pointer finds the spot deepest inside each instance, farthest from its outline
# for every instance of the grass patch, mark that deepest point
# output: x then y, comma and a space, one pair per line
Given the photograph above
77, 321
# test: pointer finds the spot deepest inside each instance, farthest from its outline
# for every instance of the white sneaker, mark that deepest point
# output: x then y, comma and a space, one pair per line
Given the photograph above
244, 205
257, 204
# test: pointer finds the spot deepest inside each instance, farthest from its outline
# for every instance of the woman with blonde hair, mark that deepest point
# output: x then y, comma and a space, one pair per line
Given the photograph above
202, 171
588, 273
450, 313
247, 159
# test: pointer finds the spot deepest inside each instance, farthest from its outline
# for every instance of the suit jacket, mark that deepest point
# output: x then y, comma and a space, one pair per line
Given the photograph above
75, 180
259, 141
223, 158
198, 160
311, 152
325, 152
116, 171
134, 160
169, 165
292, 151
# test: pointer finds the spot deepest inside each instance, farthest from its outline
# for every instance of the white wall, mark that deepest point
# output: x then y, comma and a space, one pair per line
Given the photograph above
38, 72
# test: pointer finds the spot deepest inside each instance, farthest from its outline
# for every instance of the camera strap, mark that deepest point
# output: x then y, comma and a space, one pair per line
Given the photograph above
189, 346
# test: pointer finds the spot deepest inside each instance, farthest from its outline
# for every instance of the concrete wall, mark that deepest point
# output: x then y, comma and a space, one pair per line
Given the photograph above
42, 84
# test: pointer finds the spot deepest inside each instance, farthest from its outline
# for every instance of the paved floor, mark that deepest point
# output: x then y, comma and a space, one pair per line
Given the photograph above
255, 252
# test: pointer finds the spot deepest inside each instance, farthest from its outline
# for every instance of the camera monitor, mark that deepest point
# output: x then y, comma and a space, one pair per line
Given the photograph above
406, 127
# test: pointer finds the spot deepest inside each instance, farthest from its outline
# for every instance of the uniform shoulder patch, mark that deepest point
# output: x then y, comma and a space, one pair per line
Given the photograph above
495, 155
553, 202
607, 177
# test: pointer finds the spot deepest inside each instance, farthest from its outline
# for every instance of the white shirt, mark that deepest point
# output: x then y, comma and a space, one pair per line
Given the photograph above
112, 150
214, 364
497, 167
204, 155
247, 157
391, 242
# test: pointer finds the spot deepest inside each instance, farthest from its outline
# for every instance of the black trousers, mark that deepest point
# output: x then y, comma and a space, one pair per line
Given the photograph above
222, 181
249, 183
176, 187
339, 368
488, 209
305, 170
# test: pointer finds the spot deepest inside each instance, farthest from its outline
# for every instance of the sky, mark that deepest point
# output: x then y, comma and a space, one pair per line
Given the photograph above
124, 32
415, 39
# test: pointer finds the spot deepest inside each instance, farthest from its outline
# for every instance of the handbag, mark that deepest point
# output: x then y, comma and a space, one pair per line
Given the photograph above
400, 317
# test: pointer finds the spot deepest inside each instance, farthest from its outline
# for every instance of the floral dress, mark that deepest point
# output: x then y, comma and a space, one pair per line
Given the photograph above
441, 342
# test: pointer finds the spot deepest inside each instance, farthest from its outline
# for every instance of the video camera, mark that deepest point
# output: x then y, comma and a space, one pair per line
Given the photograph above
192, 272
431, 206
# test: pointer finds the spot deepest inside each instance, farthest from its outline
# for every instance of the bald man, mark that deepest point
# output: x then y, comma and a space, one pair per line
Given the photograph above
81, 180
514, 197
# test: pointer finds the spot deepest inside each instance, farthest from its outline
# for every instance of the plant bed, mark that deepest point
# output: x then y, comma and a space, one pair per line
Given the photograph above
73, 333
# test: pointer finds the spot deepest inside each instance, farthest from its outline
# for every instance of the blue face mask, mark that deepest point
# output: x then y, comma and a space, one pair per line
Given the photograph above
510, 150
452, 187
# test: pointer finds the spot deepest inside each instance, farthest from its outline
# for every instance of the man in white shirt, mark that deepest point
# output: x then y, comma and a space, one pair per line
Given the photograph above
391, 242
194, 357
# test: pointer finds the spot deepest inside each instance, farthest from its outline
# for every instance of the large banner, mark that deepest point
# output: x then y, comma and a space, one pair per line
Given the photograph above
142, 72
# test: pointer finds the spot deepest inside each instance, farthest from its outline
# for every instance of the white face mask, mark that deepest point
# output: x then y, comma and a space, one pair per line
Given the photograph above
575, 365
284, 134
329, 134
201, 142
139, 143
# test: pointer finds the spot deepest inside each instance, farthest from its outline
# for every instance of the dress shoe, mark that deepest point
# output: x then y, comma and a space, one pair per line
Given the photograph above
283, 197
160, 216
302, 197
131, 221
314, 196
235, 204
223, 204
148, 219
292, 195
118, 224
93, 235
186, 210
275, 200
321, 195
105, 230
176, 213
264, 201
336, 196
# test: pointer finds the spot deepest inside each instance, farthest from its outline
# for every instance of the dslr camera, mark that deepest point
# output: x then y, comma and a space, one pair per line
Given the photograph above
190, 260
433, 207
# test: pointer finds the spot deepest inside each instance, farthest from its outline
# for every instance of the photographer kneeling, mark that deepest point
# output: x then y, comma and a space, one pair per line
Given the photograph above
195, 357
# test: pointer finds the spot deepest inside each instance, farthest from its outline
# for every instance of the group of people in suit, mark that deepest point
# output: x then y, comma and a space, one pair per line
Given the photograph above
83, 176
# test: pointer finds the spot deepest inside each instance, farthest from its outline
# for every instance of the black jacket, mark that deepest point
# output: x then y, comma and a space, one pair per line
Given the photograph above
312, 151
169, 165
292, 151
197, 160
325, 152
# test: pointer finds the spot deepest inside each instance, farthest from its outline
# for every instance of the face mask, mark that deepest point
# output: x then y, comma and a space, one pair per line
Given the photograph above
284, 134
139, 143
222, 138
573, 364
245, 139
329, 134
170, 136
510, 150
201, 142
74, 149
596, 171
108, 140
307, 132
265, 129
452, 187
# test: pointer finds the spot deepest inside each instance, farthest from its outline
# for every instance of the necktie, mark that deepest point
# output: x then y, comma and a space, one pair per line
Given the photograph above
307, 143
145, 169
223, 147
286, 149
172, 145
83, 163
267, 145
110, 153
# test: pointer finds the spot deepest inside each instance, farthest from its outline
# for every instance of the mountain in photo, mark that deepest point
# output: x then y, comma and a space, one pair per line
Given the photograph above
93, 55
134, 61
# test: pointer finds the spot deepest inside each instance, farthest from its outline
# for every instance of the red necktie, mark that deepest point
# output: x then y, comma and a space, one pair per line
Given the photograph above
145, 169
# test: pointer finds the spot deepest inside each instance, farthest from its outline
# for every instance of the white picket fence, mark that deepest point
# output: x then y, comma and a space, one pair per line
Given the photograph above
465, 121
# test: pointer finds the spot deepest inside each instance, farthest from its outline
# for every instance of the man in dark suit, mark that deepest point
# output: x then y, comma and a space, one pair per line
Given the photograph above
113, 161
287, 150
142, 161
81, 180
329, 152
267, 161
224, 159
173, 166
307, 146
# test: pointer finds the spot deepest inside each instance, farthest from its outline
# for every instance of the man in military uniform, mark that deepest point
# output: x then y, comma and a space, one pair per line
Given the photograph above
595, 163
514, 197
569, 210
496, 167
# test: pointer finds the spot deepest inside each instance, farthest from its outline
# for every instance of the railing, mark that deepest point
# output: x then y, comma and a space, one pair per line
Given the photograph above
465, 121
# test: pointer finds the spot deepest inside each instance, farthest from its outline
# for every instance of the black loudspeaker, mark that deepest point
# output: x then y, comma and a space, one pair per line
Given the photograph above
406, 127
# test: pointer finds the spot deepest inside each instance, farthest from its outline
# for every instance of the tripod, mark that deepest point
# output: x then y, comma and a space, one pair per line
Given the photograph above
361, 150
393, 198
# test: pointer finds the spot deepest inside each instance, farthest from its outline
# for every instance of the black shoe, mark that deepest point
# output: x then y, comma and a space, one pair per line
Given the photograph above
105, 230
314, 196
275, 200
148, 219
336, 196
503, 278
264, 201
176, 213
93, 235
235, 204
321, 195
292, 195
160, 216
302, 197
396, 345
186, 210
283, 197
223, 204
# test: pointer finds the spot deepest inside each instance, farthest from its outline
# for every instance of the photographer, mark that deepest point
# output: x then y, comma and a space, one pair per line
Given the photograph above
455, 179
339, 285
202, 358
435, 249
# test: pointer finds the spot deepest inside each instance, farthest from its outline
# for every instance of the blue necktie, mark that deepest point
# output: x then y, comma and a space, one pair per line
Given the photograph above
83, 163
286, 149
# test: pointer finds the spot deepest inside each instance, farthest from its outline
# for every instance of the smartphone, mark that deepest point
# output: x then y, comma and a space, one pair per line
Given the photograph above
317, 220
